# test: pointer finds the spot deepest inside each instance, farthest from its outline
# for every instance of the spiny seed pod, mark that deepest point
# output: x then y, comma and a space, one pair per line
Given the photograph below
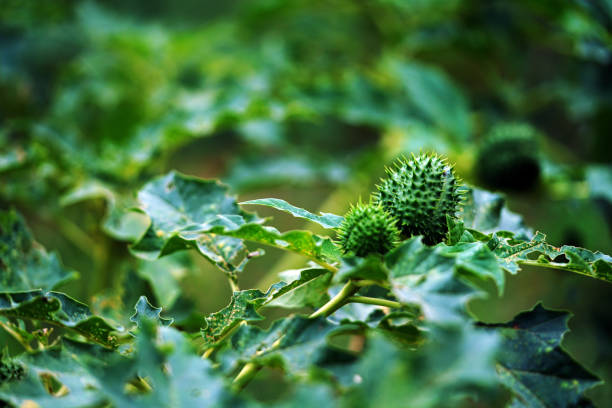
508, 158
367, 229
10, 370
420, 192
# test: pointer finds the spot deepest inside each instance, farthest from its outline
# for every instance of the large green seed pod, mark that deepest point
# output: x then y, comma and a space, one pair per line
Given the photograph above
508, 158
420, 193
367, 229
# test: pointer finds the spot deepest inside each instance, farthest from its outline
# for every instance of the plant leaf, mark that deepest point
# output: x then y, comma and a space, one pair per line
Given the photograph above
512, 253
294, 343
175, 374
61, 310
535, 367
144, 310
308, 290
453, 363
433, 96
64, 366
599, 180
179, 376
164, 276
370, 268
475, 259
24, 264
486, 212
319, 249
175, 204
326, 220
187, 212
242, 307
118, 222
440, 279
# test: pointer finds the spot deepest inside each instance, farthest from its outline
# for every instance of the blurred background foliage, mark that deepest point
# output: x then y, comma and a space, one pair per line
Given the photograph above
305, 101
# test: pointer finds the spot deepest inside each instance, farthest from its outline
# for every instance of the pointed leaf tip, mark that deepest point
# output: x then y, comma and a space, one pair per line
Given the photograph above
144, 310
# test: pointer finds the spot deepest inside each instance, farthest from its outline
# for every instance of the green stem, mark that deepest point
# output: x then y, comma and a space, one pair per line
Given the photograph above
207, 353
337, 301
343, 297
245, 375
374, 301
325, 265
366, 282
233, 282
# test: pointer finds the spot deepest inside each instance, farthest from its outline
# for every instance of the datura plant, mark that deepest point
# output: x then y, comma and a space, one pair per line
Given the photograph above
377, 315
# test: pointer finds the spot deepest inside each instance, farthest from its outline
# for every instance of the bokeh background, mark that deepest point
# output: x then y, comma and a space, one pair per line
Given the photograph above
305, 100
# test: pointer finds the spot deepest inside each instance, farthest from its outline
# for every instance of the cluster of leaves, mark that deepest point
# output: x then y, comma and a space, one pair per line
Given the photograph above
99, 96
96, 97
390, 330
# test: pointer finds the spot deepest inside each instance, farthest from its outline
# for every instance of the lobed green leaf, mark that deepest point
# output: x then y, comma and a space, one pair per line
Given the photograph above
514, 252
294, 343
24, 264
534, 366
144, 310
453, 366
186, 212
176, 205
308, 289
60, 310
164, 276
440, 279
486, 212
162, 371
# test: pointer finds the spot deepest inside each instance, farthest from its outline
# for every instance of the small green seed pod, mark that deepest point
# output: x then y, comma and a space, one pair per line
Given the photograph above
420, 193
508, 158
9, 370
367, 229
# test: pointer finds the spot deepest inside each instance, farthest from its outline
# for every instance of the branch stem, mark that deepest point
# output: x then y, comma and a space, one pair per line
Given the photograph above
367, 282
374, 301
233, 282
337, 301
343, 297
245, 375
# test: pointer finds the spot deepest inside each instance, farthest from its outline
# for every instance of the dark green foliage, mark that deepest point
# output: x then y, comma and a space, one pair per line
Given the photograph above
367, 229
303, 100
60, 310
164, 364
508, 158
433, 376
421, 192
415, 296
24, 265
534, 365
